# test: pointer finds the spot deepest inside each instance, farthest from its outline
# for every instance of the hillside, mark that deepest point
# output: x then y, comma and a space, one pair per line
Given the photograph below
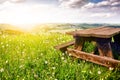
50, 27
8, 26
66, 27
10, 29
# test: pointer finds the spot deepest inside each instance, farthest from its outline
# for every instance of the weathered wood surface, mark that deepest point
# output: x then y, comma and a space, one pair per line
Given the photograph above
104, 47
79, 42
101, 32
63, 47
104, 61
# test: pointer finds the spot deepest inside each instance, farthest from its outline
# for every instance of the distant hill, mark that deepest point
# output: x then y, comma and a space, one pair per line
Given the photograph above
8, 26
48, 27
85, 25
9, 29
51, 27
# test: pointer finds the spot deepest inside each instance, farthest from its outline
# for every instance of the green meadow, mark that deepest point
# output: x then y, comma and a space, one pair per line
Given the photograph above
31, 56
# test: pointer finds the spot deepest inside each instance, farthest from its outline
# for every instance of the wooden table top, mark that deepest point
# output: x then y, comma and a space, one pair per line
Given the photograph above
100, 32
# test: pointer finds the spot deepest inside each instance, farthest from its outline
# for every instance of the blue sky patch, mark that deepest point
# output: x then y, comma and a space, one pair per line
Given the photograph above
95, 1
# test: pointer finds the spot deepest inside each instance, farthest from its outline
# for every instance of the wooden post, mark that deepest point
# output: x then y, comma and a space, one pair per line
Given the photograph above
79, 42
116, 45
104, 47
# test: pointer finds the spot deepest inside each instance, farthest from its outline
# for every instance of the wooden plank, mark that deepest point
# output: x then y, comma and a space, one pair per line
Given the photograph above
63, 47
104, 61
108, 33
92, 31
103, 32
84, 31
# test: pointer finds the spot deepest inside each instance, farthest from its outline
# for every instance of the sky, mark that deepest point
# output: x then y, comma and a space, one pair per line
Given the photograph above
59, 11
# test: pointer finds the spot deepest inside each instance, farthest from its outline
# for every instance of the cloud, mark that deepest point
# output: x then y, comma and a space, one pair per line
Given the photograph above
104, 9
17, 1
2, 1
73, 3
102, 6
106, 4
105, 15
12, 1
110, 3
7, 3
39, 13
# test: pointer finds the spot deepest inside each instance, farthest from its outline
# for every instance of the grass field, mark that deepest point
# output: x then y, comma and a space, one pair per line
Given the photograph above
33, 57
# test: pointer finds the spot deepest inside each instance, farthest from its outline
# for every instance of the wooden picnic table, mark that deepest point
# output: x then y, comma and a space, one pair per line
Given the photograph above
103, 37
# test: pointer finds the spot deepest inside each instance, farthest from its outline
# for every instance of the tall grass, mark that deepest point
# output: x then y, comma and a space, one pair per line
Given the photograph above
33, 57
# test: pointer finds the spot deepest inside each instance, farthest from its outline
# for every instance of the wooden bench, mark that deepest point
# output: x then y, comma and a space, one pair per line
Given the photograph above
63, 47
102, 36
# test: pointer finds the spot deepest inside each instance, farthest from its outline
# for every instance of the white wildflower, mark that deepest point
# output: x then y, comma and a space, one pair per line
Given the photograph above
90, 72
41, 54
46, 62
84, 61
78, 63
53, 68
28, 57
18, 76
110, 68
99, 72
37, 58
35, 75
1, 42
21, 66
70, 54
3, 46
63, 54
62, 58
102, 79
6, 61
23, 44
53, 73
23, 52
7, 45
50, 77
2, 70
